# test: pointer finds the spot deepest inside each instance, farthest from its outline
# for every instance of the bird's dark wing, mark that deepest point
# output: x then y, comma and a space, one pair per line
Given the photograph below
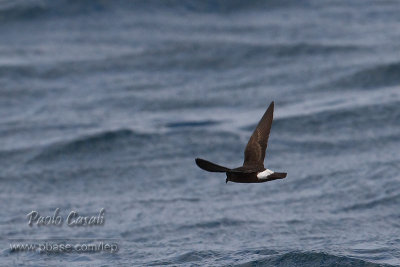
211, 167
254, 153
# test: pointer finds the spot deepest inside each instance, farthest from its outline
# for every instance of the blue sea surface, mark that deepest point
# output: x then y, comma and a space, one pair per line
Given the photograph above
106, 104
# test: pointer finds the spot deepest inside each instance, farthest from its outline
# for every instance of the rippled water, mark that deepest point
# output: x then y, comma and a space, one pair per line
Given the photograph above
105, 104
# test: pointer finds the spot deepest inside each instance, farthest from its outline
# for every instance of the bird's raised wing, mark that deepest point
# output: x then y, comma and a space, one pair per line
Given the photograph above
254, 153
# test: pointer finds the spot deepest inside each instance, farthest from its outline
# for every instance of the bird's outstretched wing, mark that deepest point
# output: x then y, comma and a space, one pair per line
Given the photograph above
211, 167
254, 153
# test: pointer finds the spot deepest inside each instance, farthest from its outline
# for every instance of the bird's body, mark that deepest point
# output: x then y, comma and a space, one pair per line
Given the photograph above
253, 170
254, 177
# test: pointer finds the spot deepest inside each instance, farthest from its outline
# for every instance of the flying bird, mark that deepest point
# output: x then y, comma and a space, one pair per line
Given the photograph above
253, 170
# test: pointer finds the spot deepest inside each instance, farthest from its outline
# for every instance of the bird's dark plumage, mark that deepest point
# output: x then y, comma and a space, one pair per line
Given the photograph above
253, 170
254, 153
211, 167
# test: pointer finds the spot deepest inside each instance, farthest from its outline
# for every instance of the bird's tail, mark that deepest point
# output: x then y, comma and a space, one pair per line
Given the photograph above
211, 167
277, 175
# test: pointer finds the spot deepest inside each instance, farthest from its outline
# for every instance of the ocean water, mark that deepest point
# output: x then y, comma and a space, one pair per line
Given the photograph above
106, 104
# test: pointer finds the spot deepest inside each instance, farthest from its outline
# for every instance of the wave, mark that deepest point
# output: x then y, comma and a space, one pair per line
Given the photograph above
32, 9
344, 116
371, 78
183, 124
223, 54
269, 258
373, 203
204, 55
318, 127
221, 6
189, 257
309, 259
92, 144
225, 222
10, 10
173, 200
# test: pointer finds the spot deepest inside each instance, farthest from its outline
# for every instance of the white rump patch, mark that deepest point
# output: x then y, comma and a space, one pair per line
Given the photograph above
264, 174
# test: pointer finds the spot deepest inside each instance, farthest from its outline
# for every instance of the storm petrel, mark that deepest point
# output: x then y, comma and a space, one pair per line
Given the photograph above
253, 170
